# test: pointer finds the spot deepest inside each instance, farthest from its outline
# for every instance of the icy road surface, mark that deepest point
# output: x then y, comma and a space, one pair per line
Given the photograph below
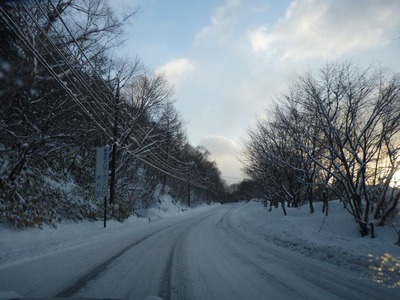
200, 256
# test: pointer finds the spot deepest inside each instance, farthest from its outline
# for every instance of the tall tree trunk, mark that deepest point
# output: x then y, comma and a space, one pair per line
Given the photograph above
325, 207
357, 214
310, 198
363, 228
17, 169
390, 210
283, 207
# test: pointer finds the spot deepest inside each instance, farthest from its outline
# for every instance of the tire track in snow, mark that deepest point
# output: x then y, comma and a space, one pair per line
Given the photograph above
174, 284
226, 224
82, 281
221, 224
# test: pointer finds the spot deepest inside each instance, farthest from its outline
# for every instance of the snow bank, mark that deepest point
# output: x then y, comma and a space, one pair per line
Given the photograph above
334, 239
18, 245
166, 206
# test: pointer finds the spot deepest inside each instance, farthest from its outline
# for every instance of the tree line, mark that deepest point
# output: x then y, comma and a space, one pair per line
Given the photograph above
334, 134
63, 93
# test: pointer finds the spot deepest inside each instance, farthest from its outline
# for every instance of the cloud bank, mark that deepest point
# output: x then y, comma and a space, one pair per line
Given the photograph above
226, 153
177, 70
312, 28
249, 51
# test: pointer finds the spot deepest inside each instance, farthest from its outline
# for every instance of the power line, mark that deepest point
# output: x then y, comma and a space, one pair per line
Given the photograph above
15, 28
176, 169
84, 54
85, 82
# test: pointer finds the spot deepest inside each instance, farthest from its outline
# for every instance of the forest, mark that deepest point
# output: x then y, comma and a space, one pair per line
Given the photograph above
63, 93
333, 134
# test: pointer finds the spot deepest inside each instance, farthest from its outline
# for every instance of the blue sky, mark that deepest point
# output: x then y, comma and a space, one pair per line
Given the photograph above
228, 59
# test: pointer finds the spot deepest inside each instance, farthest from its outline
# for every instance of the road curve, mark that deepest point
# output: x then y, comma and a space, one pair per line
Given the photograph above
202, 256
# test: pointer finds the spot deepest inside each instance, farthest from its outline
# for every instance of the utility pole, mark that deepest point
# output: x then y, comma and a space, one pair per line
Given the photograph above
114, 148
189, 189
208, 187
189, 181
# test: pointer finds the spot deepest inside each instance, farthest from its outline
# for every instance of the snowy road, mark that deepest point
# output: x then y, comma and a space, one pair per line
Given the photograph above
200, 256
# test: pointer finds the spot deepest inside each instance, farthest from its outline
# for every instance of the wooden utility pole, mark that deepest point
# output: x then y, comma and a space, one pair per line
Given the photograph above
208, 187
114, 148
189, 182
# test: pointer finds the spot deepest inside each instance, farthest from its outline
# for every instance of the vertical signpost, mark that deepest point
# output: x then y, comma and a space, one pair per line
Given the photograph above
102, 154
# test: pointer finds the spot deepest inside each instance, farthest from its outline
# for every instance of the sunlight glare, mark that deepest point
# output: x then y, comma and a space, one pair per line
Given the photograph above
395, 182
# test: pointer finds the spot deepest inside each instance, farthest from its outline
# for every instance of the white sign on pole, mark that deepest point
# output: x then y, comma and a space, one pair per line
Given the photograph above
101, 181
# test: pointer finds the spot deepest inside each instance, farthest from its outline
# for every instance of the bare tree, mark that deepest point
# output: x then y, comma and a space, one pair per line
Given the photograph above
54, 100
62, 93
338, 133
353, 107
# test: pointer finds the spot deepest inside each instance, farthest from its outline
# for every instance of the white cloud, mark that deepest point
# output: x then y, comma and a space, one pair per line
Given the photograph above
177, 70
233, 83
312, 28
249, 50
260, 39
225, 151
222, 22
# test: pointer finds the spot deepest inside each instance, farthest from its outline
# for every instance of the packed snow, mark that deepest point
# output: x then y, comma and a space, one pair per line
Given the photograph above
327, 243
18, 245
334, 239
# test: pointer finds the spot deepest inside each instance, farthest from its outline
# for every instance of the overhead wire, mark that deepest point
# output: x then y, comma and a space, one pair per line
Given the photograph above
65, 60
87, 59
186, 170
94, 69
163, 160
64, 72
82, 52
14, 27
162, 164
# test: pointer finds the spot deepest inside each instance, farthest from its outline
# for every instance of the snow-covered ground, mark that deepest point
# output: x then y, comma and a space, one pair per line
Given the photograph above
225, 236
334, 239
18, 245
